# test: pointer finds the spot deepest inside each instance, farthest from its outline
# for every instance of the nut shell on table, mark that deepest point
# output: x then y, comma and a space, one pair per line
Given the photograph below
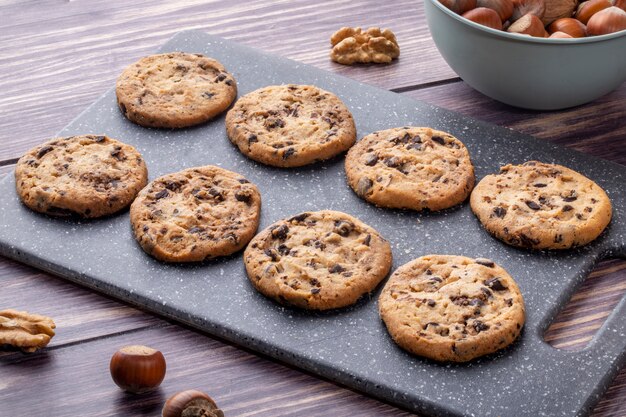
354, 45
484, 16
610, 20
191, 403
588, 8
25, 331
573, 27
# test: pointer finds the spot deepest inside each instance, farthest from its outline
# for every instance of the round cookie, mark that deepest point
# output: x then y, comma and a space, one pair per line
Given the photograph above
174, 90
541, 206
410, 167
196, 214
317, 260
452, 308
86, 175
290, 125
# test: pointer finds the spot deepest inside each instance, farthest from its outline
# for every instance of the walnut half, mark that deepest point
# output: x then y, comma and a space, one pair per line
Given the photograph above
28, 332
352, 45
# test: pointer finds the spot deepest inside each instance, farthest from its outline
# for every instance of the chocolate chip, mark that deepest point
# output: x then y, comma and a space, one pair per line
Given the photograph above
243, 181
228, 82
280, 232
532, 205
299, 217
44, 150
479, 326
232, 237
216, 194
289, 152
579, 216
540, 185
196, 229
486, 291
208, 95
315, 290
243, 197
283, 249
527, 240
476, 302
172, 185
392, 162
436, 279
573, 196
558, 238
343, 228
439, 140
499, 211
319, 245
336, 269
161, 194
371, 159
432, 323
98, 139
509, 302
220, 77
273, 122
367, 240
364, 186
272, 254
252, 138
495, 284
461, 300
567, 207
431, 303
485, 262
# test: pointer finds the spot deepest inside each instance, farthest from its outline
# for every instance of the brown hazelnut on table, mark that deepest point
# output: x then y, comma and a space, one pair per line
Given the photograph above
588, 8
137, 369
573, 27
484, 16
528, 25
191, 403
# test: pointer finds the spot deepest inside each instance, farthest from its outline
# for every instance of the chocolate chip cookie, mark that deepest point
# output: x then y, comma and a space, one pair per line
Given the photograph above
541, 206
410, 167
174, 90
290, 125
317, 260
196, 214
452, 308
86, 176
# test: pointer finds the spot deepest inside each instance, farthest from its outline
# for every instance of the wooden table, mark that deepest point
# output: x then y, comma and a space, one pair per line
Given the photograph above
56, 57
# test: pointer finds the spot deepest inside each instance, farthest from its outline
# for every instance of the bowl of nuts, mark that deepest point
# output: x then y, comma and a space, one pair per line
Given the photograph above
535, 54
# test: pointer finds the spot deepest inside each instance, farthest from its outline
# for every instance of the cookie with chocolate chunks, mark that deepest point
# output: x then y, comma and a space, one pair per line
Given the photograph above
196, 214
317, 260
452, 308
174, 90
84, 176
541, 206
414, 168
290, 125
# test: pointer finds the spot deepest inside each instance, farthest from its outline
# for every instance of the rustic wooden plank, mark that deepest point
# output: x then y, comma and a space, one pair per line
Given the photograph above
598, 128
75, 380
79, 314
57, 57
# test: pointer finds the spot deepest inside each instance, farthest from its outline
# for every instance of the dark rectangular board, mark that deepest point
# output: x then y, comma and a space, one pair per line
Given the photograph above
350, 346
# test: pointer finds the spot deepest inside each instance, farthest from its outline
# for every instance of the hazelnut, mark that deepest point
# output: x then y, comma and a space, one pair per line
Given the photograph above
587, 9
607, 21
504, 8
191, 403
484, 16
556, 9
572, 27
528, 25
459, 6
560, 35
524, 7
619, 3
137, 369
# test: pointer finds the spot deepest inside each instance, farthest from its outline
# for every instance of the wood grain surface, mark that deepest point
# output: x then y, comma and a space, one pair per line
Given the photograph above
56, 57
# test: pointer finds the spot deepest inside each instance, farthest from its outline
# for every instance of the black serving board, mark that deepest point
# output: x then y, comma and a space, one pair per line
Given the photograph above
350, 346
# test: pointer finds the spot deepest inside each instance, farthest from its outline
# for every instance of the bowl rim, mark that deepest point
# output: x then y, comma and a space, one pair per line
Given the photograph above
522, 38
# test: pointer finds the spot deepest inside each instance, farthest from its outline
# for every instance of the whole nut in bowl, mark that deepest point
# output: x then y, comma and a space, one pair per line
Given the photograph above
534, 72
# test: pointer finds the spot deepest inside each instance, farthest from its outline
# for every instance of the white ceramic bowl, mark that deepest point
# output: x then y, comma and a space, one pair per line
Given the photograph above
533, 73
